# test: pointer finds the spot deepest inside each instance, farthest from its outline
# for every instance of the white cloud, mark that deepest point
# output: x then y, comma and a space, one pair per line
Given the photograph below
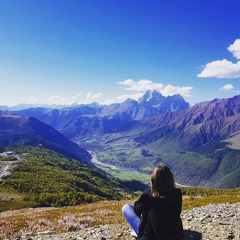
57, 100
63, 100
132, 96
108, 102
227, 87
224, 68
170, 90
90, 96
128, 82
235, 49
221, 69
77, 98
36, 100
141, 85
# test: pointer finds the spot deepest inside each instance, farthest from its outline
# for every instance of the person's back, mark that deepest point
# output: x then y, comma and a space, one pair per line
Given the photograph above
160, 216
159, 209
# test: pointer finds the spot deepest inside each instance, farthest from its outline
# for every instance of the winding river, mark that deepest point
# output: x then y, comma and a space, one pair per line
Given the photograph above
95, 161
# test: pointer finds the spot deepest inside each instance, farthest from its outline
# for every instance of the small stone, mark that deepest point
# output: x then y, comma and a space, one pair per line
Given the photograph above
223, 223
230, 235
46, 233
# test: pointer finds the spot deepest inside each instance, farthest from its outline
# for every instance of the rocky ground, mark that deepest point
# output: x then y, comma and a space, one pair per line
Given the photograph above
7, 166
217, 221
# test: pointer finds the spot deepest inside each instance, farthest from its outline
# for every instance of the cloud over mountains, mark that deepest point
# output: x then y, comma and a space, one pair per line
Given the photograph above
144, 85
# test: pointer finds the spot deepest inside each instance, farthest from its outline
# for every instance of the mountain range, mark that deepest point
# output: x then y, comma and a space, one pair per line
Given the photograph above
200, 144
22, 106
84, 123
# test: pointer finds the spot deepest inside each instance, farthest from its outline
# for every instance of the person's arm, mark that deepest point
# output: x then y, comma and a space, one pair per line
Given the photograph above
143, 203
179, 200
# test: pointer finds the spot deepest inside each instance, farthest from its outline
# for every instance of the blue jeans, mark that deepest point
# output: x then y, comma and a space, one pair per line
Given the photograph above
132, 218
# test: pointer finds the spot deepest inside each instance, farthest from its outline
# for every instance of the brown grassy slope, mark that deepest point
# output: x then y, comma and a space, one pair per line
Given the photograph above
18, 222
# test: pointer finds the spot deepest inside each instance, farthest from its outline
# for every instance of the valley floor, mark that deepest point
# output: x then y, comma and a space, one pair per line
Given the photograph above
214, 221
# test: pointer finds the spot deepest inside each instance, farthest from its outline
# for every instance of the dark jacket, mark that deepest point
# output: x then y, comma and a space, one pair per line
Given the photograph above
160, 217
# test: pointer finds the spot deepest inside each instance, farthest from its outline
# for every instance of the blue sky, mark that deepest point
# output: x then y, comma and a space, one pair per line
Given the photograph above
65, 51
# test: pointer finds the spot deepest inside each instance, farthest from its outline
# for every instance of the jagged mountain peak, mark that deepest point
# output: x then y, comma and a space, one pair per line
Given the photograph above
150, 96
176, 97
129, 100
156, 100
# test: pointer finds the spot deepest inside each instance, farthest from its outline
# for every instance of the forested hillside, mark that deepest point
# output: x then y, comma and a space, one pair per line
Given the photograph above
50, 179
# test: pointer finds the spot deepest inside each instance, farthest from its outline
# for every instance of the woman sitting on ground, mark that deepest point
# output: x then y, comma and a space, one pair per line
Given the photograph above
156, 215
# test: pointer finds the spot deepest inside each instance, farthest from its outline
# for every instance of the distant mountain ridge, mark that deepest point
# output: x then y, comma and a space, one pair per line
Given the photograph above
84, 122
23, 106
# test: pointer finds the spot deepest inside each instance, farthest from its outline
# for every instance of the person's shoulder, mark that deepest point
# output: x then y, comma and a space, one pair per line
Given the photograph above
146, 194
177, 192
147, 191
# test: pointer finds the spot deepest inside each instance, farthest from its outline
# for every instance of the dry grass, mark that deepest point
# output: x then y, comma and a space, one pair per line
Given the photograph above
19, 222
192, 202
